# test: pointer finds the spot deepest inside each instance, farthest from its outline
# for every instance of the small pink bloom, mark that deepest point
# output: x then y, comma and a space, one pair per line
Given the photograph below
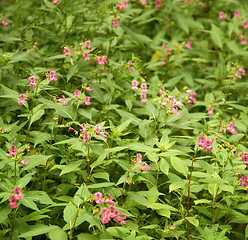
76, 93
243, 181
55, 1
135, 83
145, 168
87, 44
24, 161
188, 45
13, 150
245, 24
208, 144
12, 198
243, 40
84, 127
168, 52
115, 23
52, 74
86, 137
143, 2
88, 89
87, 101
221, 15
105, 219
4, 22
66, 51
201, 141
143, 85
210, 111
13, 205
236, 14
231, 128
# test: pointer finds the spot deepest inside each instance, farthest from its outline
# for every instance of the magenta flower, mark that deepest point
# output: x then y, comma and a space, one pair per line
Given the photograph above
24, 161
115, 23
86, 56
236, 14
86, 137
4, 22
62, 100
243, 40
157, 2
245, 24
210, 111
22, 100
245, 158
13, 150
87, 101
17, 191
231, 129
55, 1
98, 197
191, 98
52, 76
243, 181
188, 45
144, 168
12, 199
109, 200
88, 89
84, 127
76, 93
168, 52
66, 51
208, 144
138, 158
201, 141
221, 15
32, 81
135, 85
87, 44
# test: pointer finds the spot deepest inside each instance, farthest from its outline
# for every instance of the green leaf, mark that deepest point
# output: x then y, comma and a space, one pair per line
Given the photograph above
57, 234
137, 197
72, 70
217, 36
36, 160
179, 165
176, 185
22, 182
182, 22
88, 217
29, 203
101, 185
36, 116
84, 236
4, 212
70, 213
71, 167
164, 166
193, 221
38, 229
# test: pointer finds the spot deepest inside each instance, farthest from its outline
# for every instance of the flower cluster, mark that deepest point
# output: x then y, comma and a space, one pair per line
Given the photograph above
243, 181
236, 14
102, 60
22, 100
62, 100
122, 5
245, 158
85, 130
4, 22
67, 52
115, 23
241, 72
143, 90
157, 2
191, 98
110, 212
32, 81
16, 196
243, 40
52, 76
143, 166
206, 143
129, 66
231, 128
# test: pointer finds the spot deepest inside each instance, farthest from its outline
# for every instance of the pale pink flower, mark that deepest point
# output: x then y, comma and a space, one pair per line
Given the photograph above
188, 45
84, 127
109, 200
145, 168
201, 141
143, 2
24, 161
86, 137
168, 51
55, 1
221, 15
66, 51
236, 14
208, 144
115, 23
231, 129
210, 111
243, 40
17, 191
62, 100
243, 181
32, 81
98, 197
87, 101
76, 93
143, 85
245, 24
88, 89
86, 56
157, 2
4, 22
13, 150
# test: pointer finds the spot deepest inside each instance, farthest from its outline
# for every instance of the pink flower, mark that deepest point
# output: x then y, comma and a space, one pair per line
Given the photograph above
157, 2
143, 85
87, 101
12, 199
143, 2
32, 81
55, 1
84, 127
245, 24
98, 197
191, 98
201, 141
210, 111
76, 93
188, 45
13, 150
221, 15
23, 99
87, 44
17, 191
100, 61
243, 181
86, 137
66, 51
115, 23
62, 100
4, 22
231, 129
109, 200
236, 14
105, 219
144, 168
208, 144
24, 161
168, 52
138, 158
88, 89
243, 40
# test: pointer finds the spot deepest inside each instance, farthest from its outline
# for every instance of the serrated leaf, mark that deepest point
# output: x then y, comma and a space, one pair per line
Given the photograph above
71, 167
38, 230
179, 165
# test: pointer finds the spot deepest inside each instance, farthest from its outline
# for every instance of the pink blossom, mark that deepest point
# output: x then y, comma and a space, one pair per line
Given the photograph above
202, 4
76, 94
88, 89
66, 51
221, 15
17, 191
23, 99
243, 181
87, 101
188, 45
98, 197
52, 76
210, 111
4, 22
208, 144
87, 44
143, 2
231, 129
13, 150
24, 161
109, 200
62, 100
32, 81
168, 51
13, 205
86, 137
157, 2
236, 14
145, 168
191, 98
55, 1
100, 61
245, 24
201, 141
179, 103
84, 127
98, 128
115, 23
243, 40
86, 56
143, 85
